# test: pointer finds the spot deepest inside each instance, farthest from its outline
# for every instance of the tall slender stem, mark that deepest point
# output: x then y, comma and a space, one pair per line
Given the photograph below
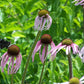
83, 24
70, 66
12, 78
43, 66
30, 54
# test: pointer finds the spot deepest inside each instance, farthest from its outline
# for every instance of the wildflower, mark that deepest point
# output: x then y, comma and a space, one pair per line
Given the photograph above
79, 2
81, 54
43, 21
73, 80
12, 53
45, 41
67, 44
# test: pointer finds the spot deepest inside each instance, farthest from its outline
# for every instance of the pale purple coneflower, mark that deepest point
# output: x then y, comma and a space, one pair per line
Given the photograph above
79, 2
45, 41
81, 54
43, 21
74, 80
12, 54
66, 44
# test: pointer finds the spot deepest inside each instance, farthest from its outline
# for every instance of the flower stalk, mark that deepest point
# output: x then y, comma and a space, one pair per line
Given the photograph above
43, 66
70, 65
12, 78
83, 23
30, 54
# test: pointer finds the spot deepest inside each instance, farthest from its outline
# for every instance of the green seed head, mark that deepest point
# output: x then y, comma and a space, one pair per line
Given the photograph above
13, 50
46, 39
67, 42
43, 12
74, 80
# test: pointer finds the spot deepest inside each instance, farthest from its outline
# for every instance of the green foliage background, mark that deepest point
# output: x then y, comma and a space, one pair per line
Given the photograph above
17, 20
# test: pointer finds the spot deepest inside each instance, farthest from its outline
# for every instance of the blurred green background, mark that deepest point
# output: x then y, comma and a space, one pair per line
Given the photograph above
16, 25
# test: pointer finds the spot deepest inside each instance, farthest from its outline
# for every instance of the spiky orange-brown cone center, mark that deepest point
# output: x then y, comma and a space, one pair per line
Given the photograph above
43, 12
74, 80
13, 50
46, 39
67, 42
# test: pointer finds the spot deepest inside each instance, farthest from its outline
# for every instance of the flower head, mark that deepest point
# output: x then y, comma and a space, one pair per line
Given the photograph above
66, 44
81, 54
45, 41
12, 53
73, 80
79, 2
43, 21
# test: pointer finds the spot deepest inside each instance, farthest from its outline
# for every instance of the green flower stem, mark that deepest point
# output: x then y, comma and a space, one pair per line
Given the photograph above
83, 24
11, 78
30, 54
70, 66
43, 66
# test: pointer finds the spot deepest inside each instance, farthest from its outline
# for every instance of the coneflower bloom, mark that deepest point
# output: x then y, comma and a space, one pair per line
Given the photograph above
12, 53
79, 2
73, 80
45, 41
81, 54
43, 21
66, 44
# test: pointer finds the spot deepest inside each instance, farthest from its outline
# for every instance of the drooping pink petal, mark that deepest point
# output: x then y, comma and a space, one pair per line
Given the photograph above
60, 47
43, 54
49, 22
52, 44
74, 48
9, 65
42, 57
68, 50
53, 50
37, 47
3, 56
12, 65
79, 3
43, 25
82, 78
2, 61
5, 62
81, 54
37, 23
18, 63
54, 54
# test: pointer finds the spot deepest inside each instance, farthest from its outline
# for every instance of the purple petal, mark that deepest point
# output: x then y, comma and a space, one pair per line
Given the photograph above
43, 54
18, 63
4, 56
12, 65
68, 50
79, 3
37, 22
5, 61
49, 22
53, 50
37, 47
75, 48
9, 65
43, 26
52, 44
